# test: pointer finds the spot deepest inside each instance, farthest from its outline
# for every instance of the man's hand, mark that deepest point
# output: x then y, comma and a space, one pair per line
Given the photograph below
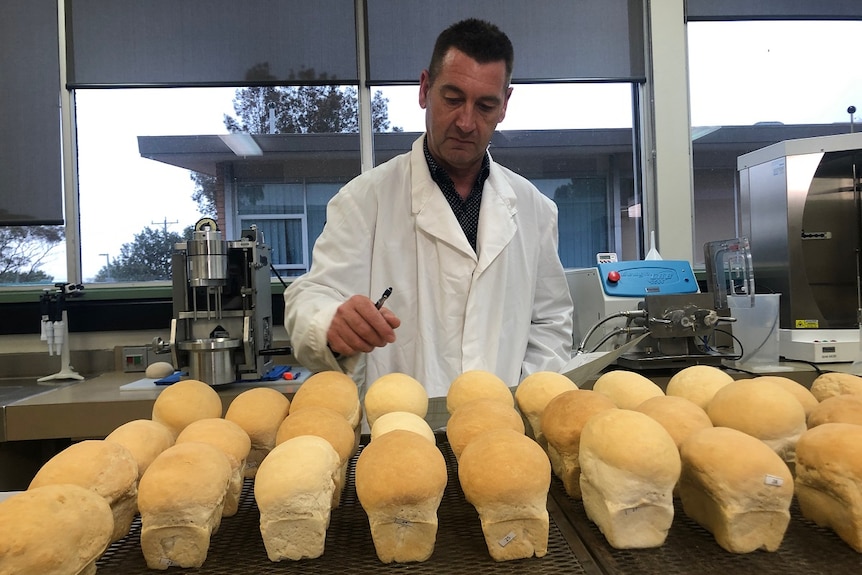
358, 326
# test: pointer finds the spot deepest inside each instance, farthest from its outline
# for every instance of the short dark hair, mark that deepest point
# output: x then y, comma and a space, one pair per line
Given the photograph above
478, 39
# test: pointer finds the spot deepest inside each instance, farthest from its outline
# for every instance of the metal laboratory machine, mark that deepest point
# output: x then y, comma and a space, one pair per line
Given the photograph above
222, 306
617, 301
800, 209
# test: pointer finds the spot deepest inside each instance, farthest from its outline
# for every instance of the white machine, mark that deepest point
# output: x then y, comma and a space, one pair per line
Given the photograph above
616, 301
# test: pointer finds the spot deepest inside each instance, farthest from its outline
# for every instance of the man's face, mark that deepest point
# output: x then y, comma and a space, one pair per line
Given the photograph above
462, 109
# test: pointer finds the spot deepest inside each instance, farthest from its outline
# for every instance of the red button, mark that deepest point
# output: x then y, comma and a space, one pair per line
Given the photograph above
613, 276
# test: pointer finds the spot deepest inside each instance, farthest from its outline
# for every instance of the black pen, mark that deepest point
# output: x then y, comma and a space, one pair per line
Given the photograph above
383, 298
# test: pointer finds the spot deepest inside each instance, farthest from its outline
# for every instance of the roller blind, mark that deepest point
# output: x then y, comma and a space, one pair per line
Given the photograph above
554, 40
773, 10
210, 42
30, 165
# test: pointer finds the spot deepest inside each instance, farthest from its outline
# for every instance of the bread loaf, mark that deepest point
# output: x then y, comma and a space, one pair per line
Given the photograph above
626, 389
185, 401
796, 389
476, 384
629, 467
762, 409
54, 530
334, 390
829, 479
293, 489
181, 498
331, 426
233, 441
402, 420
105, 467
837, 409
144, 438
533, 394
737, 488
562, 422
698, 383
395, 392
400, 479
679, 416
475, 417
259, 411
505, 475
834, 383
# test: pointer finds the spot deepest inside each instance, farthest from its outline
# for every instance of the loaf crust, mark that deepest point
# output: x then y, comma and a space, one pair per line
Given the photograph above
400, 480
737, 488
505, 475
54, 530
259, 411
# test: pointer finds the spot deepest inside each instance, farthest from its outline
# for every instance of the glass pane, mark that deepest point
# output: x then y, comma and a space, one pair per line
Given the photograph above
32, 255
284, 238
756, 83
134, 208
573, 142
269, 199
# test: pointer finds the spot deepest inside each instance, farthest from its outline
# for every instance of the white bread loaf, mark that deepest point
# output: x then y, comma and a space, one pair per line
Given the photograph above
533, 394
762, 409
475, 417
678, 415
395, 392
185, 401
402, 420
400, 479
627, 389
476, 384
698, 383
562, 422
259, 411
505, 475
331, 426
835, 383
796, 389
293, 489
334, 390
54, 530
233, 441
181, 498
105, 467
144, 438
837, 409
629, 467
737, 488
829, 479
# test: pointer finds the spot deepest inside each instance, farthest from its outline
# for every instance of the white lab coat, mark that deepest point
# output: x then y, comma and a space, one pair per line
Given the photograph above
507, 310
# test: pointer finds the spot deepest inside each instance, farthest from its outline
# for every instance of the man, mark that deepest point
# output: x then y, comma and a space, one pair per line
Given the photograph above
469, 247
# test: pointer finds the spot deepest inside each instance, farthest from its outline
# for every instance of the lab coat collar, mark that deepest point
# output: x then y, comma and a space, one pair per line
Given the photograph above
434, 216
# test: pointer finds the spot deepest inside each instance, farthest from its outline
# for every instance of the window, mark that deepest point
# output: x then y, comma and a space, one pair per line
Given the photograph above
755, 83
574, 142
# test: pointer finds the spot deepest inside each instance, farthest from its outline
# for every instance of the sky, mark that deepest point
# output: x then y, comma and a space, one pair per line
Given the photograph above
740, 74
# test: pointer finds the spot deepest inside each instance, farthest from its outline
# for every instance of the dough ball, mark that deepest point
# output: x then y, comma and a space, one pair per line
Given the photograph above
476, 384
698, 383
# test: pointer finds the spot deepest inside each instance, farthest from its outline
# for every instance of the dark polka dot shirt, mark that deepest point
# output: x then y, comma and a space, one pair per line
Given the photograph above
466, 211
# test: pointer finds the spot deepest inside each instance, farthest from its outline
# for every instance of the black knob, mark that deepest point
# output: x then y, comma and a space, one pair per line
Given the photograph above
851, 110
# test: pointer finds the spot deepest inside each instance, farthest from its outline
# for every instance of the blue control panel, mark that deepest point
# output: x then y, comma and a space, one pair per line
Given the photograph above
640, 278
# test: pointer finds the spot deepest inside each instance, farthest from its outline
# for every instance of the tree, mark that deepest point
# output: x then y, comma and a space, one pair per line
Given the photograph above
146, 258
23, 249
318, 107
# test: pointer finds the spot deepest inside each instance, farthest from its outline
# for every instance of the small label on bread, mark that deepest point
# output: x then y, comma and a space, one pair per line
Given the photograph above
166, 562
507, 539
773, 480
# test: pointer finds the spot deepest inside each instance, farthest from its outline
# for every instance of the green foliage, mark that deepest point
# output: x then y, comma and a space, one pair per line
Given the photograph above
23, 249
146, 258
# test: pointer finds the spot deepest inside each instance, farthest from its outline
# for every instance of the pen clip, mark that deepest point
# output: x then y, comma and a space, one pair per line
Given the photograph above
383, 298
